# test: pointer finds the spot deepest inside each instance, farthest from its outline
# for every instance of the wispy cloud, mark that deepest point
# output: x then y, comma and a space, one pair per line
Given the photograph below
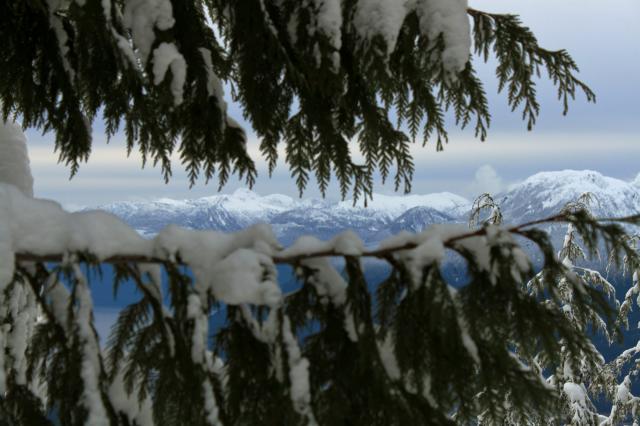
486, 180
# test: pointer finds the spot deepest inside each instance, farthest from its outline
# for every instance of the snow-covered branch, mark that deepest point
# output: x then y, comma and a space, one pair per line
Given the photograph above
161, 345
301, 252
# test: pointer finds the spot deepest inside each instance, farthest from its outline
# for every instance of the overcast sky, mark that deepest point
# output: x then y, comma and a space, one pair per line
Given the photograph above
602, 36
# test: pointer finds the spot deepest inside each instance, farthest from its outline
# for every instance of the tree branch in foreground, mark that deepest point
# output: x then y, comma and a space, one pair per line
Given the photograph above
380, 253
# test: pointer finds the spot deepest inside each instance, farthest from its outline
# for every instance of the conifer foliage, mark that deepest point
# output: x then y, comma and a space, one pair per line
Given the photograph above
580, 383
311, 75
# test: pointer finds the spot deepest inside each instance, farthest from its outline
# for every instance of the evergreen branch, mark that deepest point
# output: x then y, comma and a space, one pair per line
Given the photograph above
294, 81
520, 60
377, 253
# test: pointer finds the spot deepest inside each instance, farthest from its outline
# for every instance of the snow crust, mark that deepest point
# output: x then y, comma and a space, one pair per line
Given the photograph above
42, 227
235, 268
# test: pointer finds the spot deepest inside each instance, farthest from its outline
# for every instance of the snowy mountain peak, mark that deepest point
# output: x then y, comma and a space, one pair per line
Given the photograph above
245, 200
636, 181
540, 195
563, 177
245, 192
547, 192
572, 183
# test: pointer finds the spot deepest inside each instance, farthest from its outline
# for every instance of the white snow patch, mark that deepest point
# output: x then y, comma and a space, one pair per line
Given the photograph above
326, 280
214, 84
143, 17
61, 34
90, 369
239, 279
467, 341
429, 247
329, 22
14, 161
388, 357
298, 373
449, 19
136, 412
230, 266
381, 18
166, 56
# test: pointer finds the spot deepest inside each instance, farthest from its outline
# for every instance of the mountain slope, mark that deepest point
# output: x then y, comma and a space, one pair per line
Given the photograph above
545, 193
419, 218
289, 217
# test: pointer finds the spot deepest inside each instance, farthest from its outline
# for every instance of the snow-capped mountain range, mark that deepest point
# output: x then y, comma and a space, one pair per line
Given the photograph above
539, 195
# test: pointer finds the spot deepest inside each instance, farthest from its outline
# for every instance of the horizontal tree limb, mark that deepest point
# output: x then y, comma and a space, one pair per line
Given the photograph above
296, 259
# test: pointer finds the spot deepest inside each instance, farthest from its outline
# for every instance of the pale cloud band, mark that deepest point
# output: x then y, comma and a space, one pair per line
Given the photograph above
466, 166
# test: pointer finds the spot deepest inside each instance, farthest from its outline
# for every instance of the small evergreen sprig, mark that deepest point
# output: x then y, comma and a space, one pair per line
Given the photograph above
522, 60
481, 205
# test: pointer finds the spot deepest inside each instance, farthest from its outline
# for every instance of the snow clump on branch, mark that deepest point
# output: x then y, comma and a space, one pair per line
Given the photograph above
42, 227
446, 18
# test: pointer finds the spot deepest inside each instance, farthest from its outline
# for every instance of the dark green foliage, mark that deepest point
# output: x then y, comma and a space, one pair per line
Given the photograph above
254, 391
62, 68
21, 407
521, 59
